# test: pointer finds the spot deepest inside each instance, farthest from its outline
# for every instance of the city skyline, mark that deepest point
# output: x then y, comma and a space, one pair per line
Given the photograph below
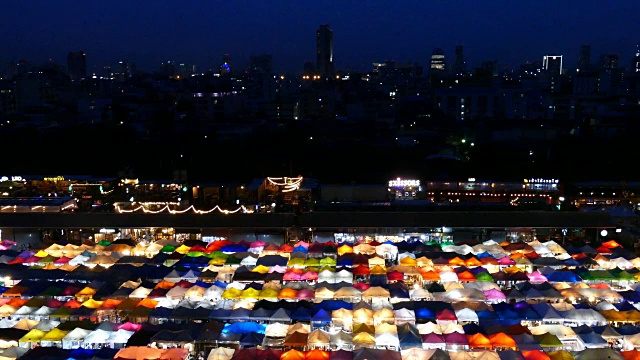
362, 34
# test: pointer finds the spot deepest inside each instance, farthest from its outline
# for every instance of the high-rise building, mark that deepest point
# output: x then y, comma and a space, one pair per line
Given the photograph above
262, 63
635, 64
324, 51
608, 62
437, 63
225, 67
460, 63
552, 64
168, 68
584, 60
77, 65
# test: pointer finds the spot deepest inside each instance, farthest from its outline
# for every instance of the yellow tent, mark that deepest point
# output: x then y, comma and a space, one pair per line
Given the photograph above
92, 304
261, 269
268, 293
182, 249
231, 293
54, 335
408, 261
345, 249
249, 293
32, 336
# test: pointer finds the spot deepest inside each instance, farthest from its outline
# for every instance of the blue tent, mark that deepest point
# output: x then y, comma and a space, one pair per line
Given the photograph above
330, 305
563, 276
252, 339
244, 328
81, 354
301, 314
425, 313
321, 317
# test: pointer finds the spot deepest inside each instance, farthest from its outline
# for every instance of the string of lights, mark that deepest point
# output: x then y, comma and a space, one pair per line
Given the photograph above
243, 209
289, 184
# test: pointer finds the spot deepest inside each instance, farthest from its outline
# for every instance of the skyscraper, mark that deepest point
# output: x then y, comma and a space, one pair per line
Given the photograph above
324, 50
635, 65
552, 64
77, 65
608, 62
584, 60
225, 67
437, 61
460, 63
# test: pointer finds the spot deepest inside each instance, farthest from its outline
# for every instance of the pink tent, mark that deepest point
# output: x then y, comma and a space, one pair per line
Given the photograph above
306, 294
494, 294
506, 261
361, 286
310, 276
129, 327
536, 277
291, 276
277, 269
456, 339
63, 260
301, 243
257, 244
432, 338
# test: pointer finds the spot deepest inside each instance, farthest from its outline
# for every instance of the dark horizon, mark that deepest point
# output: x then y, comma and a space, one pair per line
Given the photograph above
194, 33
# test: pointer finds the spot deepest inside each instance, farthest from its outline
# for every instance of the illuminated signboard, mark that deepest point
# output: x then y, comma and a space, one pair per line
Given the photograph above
11, 178
541, 181
404, 183
54, 179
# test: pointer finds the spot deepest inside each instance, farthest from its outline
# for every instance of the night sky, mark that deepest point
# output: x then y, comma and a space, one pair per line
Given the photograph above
199, 32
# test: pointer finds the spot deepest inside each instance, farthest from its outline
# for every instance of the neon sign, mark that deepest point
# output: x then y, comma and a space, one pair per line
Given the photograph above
404, 183
12, 178
541, 181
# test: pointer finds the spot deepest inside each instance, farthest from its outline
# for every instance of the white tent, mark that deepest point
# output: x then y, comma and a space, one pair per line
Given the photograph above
388, 340
75, 338
221, 354
467, 315
276, 330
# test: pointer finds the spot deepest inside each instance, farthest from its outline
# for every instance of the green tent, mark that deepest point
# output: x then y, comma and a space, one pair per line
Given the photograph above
104, 243
484, 277
168, 249
548, 340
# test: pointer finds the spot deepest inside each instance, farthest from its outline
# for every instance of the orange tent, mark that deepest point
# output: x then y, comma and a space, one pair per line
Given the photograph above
489, 261
430, 275
73, 304
165, 285
535, 355
479, 341
148, 303
287, 293
292, 354
456, 261
473, 262
316, 355
502, 340
408, 261
16, 302
286, 248
110, 304
611, 244
630, 355
466, 276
